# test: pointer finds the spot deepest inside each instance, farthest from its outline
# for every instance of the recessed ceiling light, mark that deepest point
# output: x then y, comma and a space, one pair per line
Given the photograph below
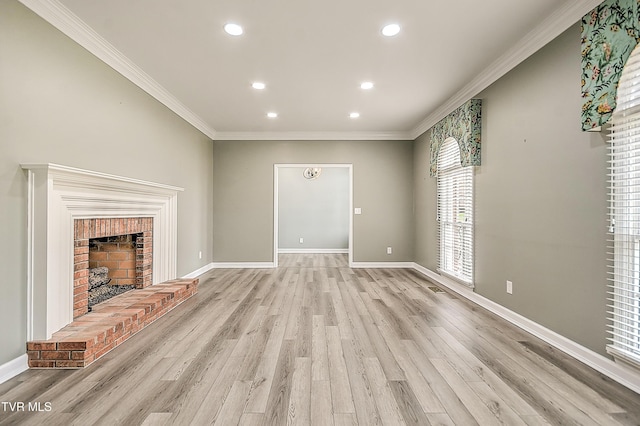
354, 115
233, 29
366, 85
272, 114
390, 30
258, 85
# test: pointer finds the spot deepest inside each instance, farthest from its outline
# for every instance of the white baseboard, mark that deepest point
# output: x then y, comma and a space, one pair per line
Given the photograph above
200, 271
242, 265
446, 281
620, 373
14, 367
380, 265
312, 251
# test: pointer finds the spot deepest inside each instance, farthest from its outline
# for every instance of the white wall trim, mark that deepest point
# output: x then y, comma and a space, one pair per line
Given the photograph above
317, 136
66, 21
620, 373
203, 270
243, 265
58, 195
381, 265
14, 367
313, 251
567, 15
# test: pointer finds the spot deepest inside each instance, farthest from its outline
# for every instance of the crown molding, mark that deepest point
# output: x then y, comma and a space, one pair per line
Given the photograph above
548, 29
64, 20
69, 24
310, 136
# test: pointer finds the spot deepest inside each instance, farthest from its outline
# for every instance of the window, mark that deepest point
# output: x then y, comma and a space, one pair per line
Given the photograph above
624, 217
455, 214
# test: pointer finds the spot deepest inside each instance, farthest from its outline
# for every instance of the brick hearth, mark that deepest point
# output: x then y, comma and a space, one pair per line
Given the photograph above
110, 323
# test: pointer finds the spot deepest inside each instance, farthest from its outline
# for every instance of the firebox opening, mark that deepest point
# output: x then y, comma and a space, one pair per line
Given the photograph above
111, 235
112, 266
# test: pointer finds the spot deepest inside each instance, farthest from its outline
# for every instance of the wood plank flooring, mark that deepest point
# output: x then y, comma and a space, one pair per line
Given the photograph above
314, 342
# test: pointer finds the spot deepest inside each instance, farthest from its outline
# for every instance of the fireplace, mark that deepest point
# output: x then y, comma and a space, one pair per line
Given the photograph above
67, 207
122, 245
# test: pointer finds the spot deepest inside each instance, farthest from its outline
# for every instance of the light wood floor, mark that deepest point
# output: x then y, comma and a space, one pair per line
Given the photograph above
315, 342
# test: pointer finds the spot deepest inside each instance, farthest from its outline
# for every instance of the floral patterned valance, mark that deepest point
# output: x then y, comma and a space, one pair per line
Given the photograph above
609, 34
464, 125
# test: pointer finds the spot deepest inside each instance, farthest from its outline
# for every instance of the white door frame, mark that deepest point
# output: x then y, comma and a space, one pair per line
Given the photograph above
276, 170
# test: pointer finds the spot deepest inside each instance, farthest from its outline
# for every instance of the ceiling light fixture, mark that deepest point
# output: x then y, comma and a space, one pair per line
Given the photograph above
272, 114
233, 29
354, 115
258, 85
312, 172
366, 85
390, 30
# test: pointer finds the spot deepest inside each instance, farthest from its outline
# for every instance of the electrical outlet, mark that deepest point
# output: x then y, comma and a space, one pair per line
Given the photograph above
301, 240
199, 255
509, 287
389, 250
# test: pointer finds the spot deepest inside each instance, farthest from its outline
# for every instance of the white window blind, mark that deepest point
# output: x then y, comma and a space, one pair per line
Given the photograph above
624, 217
455, 213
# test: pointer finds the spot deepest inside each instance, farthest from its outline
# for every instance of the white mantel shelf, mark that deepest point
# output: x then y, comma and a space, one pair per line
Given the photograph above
107, 181
57, 196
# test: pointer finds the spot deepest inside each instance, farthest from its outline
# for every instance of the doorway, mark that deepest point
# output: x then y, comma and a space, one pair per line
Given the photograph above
308, 203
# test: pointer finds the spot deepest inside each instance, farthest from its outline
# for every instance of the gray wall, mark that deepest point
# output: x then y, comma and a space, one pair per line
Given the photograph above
59, 104
540, 192
316, 210
540, 198
243, 193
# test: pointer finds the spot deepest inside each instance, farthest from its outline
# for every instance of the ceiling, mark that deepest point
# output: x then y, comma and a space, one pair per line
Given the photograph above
312, 56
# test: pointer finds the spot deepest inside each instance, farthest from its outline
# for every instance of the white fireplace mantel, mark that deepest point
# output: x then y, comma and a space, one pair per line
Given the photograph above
57, 196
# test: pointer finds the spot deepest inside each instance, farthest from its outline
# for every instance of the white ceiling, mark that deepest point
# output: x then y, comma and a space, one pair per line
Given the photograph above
312, 55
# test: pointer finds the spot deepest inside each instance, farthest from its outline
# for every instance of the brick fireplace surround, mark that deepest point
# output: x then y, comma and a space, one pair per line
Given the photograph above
67, 207
86, 229
92, 335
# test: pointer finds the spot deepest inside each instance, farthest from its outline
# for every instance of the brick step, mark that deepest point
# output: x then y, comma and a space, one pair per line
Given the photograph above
92, 335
